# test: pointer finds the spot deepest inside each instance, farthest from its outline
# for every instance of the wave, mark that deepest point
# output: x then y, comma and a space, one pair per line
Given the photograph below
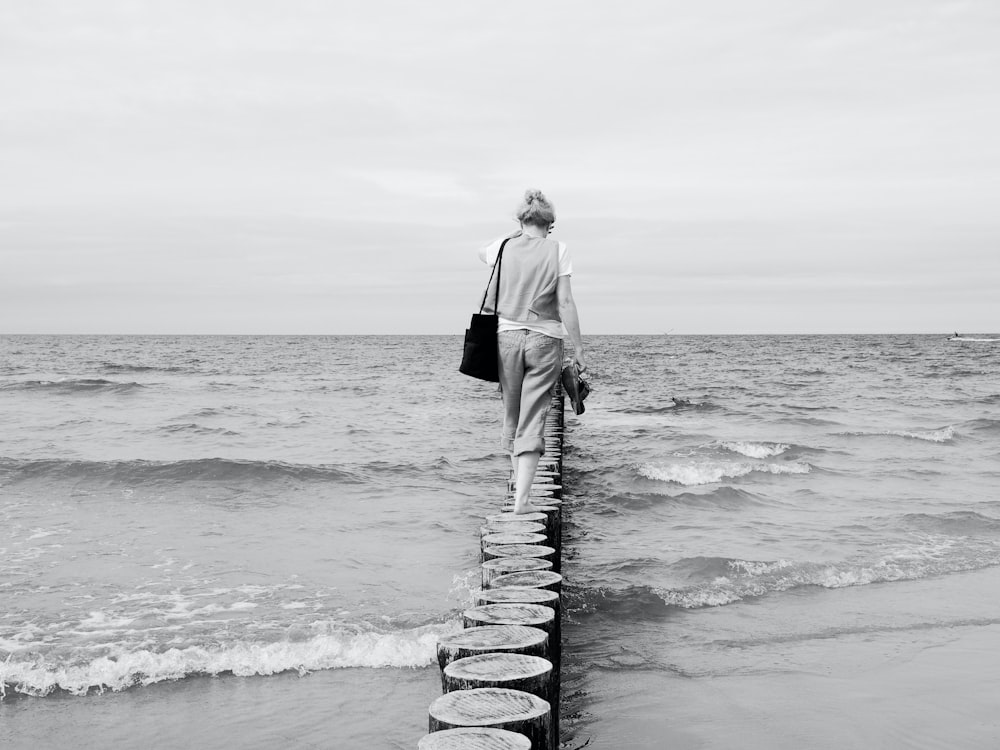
630, 602
140, 471
196, 429
710, 472
756, 450
120, 669
933, 555
984, 424
78, 385
117, 367
808, 421
959, 522
942, 435
727, 581
720, 497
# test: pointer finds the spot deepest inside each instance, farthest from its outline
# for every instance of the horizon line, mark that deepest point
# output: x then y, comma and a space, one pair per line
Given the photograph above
358, 335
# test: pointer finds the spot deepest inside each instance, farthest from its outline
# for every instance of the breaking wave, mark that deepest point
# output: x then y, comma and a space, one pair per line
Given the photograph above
710, 472
120, 669
756, 450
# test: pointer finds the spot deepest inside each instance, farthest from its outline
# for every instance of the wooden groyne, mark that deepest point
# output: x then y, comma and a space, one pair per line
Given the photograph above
500, 675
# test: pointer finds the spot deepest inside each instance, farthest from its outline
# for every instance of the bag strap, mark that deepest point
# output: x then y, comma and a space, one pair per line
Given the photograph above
496, 269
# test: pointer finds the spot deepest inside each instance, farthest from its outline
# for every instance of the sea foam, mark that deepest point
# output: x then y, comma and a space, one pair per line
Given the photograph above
710, 472
120, 669
756, 450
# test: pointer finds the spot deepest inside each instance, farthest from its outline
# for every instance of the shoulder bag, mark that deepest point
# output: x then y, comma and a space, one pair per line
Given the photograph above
479, 357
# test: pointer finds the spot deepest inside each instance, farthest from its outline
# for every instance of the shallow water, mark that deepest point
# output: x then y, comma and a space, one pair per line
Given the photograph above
176, 507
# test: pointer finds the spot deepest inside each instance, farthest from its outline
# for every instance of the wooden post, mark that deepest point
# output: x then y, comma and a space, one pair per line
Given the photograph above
512, 518
503, 537
532, 674
500, 708
533, 615
474, 738
513, 639
519, 550
511, 527
500, 566
535, 579
521, 595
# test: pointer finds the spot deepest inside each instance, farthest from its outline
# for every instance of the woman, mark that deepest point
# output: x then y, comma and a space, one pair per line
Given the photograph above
536, 310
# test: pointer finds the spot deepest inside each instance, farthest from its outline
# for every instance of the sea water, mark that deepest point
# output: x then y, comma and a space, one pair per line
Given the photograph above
291, 522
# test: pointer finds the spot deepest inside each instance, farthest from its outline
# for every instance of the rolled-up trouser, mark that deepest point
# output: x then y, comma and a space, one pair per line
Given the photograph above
530, 364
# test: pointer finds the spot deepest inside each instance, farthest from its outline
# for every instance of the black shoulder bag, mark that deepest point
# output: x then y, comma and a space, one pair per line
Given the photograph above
480, 358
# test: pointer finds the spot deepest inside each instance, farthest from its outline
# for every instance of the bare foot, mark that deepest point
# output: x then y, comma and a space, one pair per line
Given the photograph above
520, 510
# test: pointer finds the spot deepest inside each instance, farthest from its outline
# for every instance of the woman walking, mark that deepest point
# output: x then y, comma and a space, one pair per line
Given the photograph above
536, 311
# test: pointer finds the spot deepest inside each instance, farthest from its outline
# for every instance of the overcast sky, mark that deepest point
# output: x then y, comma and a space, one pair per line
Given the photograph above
720, 166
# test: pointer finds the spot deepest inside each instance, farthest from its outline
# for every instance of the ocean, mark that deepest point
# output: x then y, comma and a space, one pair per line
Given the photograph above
771, 541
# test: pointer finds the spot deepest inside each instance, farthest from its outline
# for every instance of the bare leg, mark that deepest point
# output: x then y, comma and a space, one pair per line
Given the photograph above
524, 473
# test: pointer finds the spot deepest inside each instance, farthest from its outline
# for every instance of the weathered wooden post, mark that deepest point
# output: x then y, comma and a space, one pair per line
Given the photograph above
499, 566
532, 674
512, 613
512, 639
511, 527
500, 708
474, 738
536, 579
542, 551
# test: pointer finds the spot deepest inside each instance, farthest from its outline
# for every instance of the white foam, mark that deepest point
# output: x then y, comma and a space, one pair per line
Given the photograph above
758, 568
42, 533
464, 587
935, 436
756, 450
706, 472
930, 555
941, 435
120, 669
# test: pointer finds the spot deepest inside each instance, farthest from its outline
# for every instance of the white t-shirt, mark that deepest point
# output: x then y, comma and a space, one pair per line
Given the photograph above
554, 328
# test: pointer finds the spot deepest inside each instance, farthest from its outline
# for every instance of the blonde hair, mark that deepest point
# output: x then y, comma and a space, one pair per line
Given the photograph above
535, 209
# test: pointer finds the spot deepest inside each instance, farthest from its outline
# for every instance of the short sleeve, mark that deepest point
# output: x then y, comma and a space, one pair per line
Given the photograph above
488, 253
565, 261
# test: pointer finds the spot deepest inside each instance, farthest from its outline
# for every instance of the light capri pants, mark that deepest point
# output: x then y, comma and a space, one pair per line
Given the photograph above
530, 365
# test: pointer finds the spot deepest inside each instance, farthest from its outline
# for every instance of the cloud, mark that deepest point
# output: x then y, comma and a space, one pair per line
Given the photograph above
312, 149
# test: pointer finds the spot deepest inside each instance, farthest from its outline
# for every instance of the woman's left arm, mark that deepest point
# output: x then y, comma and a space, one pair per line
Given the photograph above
571, 319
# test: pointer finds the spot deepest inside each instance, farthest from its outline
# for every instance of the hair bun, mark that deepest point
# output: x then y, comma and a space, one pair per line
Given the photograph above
535, 209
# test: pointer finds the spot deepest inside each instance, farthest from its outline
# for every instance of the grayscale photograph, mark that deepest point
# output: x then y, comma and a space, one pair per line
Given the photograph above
499, 376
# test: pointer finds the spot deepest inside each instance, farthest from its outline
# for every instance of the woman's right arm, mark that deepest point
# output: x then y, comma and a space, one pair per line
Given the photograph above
570, 318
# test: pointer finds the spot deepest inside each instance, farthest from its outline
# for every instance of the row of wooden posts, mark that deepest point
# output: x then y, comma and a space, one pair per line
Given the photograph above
500, 675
